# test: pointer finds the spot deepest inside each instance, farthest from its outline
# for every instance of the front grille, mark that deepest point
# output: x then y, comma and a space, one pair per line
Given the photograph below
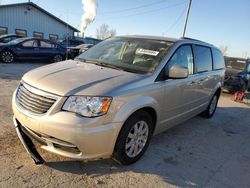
33, 101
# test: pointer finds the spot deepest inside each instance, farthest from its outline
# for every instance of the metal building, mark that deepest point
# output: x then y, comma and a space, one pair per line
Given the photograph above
28, 19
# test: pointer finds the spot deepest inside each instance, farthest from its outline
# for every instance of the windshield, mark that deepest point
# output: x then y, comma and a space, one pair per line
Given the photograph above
128, 54
16, 41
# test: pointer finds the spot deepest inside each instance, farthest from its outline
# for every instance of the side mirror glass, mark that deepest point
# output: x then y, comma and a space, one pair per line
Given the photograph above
177, 72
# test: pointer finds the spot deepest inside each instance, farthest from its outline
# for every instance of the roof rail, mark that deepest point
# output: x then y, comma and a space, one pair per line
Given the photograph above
190, 39
197, 41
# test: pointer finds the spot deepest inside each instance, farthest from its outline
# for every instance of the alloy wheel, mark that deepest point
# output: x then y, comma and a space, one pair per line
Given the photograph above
7, 57
136, 139
57, 58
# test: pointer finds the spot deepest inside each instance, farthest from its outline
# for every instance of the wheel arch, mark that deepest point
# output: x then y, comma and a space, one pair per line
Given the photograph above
146, 104
217, 89
8, 49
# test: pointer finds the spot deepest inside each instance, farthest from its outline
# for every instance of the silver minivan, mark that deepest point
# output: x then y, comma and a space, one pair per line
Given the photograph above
114, 97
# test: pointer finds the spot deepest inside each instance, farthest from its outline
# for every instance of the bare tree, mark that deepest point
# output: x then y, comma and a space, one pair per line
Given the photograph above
104, 32
244, 55
224, 49
112, 32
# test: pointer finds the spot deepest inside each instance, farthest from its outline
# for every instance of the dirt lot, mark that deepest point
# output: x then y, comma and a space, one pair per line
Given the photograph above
198, 153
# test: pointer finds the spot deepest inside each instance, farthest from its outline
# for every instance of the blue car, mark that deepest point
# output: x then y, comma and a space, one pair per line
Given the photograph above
31, 49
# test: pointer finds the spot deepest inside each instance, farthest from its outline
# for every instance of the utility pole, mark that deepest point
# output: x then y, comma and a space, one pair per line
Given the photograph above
186, 18
67, 33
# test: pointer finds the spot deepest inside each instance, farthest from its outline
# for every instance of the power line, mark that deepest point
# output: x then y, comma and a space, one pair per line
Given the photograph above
119, 11
133, 8
176, 21
146, 12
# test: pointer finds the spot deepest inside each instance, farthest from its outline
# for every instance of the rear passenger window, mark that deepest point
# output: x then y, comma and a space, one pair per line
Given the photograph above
203, 59
184, 57
218, 60
46, 44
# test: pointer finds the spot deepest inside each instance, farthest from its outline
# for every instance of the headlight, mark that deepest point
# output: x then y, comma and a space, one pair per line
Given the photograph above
87, 106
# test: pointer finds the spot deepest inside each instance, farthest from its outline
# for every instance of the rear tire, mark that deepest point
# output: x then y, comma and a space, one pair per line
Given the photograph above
7, 56
244, 86
209, 112
133, 138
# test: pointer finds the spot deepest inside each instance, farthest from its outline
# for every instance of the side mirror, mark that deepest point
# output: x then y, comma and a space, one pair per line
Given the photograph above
177, 72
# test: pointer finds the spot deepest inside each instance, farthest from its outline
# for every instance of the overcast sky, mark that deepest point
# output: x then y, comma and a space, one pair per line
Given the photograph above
220, 22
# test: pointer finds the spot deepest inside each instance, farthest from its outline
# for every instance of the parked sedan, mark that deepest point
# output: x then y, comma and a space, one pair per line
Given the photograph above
7, 38
70, 42
31, 49
75, 51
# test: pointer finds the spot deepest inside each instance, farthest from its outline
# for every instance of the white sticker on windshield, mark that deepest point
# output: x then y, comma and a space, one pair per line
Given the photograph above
148, 52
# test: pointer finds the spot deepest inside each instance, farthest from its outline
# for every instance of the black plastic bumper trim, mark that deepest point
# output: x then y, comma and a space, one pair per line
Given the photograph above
28, 145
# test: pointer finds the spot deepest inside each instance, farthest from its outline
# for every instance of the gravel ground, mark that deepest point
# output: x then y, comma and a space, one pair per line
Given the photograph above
197, 153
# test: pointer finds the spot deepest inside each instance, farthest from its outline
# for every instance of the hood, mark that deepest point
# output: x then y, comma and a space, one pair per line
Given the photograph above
77, 78
232, 72
3, 45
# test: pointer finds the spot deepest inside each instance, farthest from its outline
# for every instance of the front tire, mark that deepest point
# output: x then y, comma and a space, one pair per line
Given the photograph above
133, 138
7, 56
57, 58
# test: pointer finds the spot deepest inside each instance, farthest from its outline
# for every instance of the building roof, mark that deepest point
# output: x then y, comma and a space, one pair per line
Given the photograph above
42, 10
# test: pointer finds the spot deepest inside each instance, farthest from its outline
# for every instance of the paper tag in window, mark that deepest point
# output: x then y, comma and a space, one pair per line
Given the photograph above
148, 52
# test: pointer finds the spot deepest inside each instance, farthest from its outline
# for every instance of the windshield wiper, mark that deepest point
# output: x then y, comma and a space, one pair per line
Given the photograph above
100, 63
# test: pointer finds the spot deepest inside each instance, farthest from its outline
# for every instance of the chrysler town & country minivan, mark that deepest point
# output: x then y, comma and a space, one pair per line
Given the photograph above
114, 97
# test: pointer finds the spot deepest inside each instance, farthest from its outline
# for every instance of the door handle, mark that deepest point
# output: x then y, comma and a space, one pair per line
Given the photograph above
202, 80
196, 82
36, 48
192, 83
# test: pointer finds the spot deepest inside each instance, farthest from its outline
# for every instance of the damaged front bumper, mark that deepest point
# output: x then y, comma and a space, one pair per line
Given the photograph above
28, 144
234, 83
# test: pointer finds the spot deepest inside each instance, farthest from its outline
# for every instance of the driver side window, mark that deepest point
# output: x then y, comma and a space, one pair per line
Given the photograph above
183, 56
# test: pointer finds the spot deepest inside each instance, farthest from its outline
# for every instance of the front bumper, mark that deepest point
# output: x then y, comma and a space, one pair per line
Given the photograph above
67, 134
28, 144
233, 84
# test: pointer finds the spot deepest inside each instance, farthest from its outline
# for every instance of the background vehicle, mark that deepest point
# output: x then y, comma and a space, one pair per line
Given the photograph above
7, 38
237, 76
90, 40
70, 42
73, 42
31, 49
117, 95
75, 51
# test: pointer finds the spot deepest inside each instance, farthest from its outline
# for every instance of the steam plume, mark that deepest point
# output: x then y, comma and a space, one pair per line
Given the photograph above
89, 8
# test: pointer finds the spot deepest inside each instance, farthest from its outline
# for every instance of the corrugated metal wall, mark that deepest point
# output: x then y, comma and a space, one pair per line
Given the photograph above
31, 20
